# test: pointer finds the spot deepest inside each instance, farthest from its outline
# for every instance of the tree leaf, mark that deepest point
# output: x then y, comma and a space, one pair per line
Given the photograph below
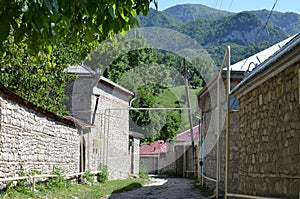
112, 10
49, 6
121, 12
4, 27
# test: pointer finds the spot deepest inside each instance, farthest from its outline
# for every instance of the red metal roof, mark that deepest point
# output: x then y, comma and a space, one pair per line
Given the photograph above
156, 147
185, 136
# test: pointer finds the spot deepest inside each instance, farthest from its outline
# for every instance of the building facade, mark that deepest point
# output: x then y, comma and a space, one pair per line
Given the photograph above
105, 105
269, 117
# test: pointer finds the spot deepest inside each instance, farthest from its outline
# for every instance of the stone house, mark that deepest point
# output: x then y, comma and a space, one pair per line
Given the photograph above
213, 127
104, 104
34, 139
269, 115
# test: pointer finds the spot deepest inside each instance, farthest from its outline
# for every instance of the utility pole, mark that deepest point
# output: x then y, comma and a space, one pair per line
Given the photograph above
189, 114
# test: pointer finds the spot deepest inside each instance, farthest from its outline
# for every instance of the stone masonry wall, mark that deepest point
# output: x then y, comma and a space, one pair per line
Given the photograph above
270, 137
32, 141
113, 129
208, 104
107, 143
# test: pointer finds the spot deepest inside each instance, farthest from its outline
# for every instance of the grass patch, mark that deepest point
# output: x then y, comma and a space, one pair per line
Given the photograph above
175, 97
96, 190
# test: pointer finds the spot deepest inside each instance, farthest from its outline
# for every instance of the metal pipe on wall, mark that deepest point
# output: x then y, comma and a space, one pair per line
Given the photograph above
218, 140
227, 122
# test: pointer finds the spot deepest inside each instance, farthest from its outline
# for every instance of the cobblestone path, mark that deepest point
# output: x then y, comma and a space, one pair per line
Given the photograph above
163, 188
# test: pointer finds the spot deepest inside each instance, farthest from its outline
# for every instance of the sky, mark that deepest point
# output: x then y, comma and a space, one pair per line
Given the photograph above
238, 5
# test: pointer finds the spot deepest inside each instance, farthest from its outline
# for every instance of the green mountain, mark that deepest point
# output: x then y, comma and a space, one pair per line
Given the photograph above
289, 21
158, 19
246, 32
243, 28
190, 12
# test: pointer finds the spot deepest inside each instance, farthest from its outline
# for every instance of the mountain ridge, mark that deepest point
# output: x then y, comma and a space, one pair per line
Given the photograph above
246, 31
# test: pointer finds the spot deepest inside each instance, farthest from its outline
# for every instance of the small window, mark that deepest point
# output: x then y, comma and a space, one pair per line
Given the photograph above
234, 104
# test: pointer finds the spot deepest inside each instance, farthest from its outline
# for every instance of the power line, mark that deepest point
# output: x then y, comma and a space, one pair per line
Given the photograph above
268, 19
230, 5
263, 28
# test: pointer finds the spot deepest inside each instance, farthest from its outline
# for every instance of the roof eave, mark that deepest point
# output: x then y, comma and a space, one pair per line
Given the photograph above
287, 56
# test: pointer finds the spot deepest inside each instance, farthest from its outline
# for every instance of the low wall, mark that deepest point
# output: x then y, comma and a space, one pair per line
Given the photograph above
33, 139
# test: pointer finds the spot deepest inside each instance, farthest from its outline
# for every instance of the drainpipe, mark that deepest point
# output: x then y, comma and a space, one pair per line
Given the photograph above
133, 99
95, 109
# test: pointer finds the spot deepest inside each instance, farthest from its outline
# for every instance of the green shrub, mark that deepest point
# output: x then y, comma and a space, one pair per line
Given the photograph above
103, 175
58, 181
88, 176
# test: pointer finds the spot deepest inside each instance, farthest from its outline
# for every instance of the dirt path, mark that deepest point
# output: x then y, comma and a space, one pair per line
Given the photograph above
163, 188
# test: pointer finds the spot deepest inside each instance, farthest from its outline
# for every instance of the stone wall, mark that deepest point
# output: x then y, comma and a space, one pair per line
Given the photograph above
112, 120
31, 140
107, 143
150, 163
270, 137
209, 106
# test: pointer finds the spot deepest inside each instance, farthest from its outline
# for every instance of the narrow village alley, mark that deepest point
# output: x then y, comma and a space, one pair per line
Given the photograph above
161, 187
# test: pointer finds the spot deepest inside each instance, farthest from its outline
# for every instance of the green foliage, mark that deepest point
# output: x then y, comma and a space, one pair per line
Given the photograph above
150, 121
40, 39
158, 19
97, 190
148, 72
78, 24
88, 176
103, 175
41, 78
57, 182
23, 186
288, 21
214, 28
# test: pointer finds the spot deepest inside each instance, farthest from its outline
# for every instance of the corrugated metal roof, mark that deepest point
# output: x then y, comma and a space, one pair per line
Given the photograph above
293, 43
81, 70
114, 85
84, 71
186, 136
251, 62
156, 147
135, 134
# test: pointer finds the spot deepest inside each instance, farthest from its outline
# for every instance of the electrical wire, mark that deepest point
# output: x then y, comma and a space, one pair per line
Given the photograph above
230, 5
268, 19
262, 29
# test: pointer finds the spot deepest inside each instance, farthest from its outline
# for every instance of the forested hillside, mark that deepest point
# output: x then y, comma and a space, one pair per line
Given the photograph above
246, 32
